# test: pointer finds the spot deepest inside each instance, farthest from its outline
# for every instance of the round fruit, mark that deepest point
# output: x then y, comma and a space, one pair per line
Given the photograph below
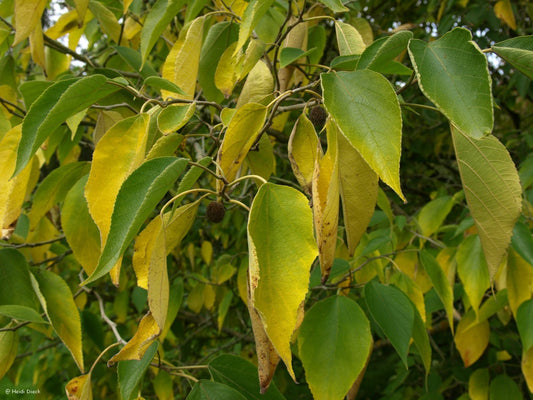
318, 116
215, 211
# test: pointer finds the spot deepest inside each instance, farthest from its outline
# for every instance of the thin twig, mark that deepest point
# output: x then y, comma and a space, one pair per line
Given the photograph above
104, 316
36, 244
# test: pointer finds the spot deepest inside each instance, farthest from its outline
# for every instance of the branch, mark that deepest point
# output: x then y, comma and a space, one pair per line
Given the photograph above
36, 244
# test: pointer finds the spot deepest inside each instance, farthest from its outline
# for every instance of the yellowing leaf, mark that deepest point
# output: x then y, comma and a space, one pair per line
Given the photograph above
37, 46
9, 341
106, 19
175, 116
258, 85
409, 287
282, 248
267, 356
79, 228
228, 70
367, 110
147, 332
304, 151
58, 304
349, 39
27, 16
358, 190
239, 138
176, 226
79, 388
206, 252
472, 270
519, 279
407, 262
81, 9
253, 13
504, 11
181, 64
527, 368
326, 202
492, 190
471, 339
478, 384
117, 154
263, 161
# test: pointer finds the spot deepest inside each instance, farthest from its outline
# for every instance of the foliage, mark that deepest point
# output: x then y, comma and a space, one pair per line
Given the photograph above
193, 191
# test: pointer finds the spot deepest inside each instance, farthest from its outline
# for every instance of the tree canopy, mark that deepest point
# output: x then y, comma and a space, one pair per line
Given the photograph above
222, 199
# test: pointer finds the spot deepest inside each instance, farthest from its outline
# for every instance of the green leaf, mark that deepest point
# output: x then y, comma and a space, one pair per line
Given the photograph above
334, 5
288, 55
492, 190
21, 313
334, 343
472, 270
79, 228
159, 83
440, 283
9, 341
156, 22
368, 112
524, 322
130, 373
380, 55
282, 247
349, 40
31, 90
15, 281
239, 138
358, 190
393, 312
433, 214
54, 188
133, 59
452, 72
503, 387
518, 52
219, 37
208, 390
255, 10
60, 101
175, 116
241, 375
58, 303
522, 241
138, 196
421, 341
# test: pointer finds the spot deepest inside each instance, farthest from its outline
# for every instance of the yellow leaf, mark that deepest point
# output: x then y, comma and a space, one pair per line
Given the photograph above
81, 9
504, 11
359, 192
181, 64
118, 153
281, 247
407, 262
106, 19
527, 368
304, 150
326, 202
239, 138
446, 260
9, 341
65, 24
228, 70
152, 245
8, 156
267, 357
258, 85
147, 332
478, 384
207, 252
254, 52
471, 339
37, 46
519, 279
297, 38
79, 388
236, 6
127, 4
27, 16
